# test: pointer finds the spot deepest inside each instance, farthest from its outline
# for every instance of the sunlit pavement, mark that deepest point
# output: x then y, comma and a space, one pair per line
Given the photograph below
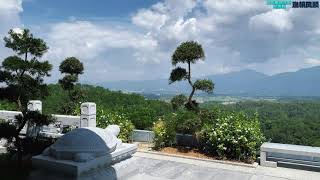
146, 166
151, 166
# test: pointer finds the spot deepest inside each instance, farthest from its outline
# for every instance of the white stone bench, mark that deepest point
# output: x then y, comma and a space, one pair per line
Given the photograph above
306, 157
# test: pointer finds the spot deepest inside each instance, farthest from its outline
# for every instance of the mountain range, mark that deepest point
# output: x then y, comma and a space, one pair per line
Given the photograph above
304, 82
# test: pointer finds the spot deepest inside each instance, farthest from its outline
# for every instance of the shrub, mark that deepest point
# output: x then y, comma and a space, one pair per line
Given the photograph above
189, 122
164, 134
142, 117
186, 122
178, 101
6, 105
233, 136
105, 118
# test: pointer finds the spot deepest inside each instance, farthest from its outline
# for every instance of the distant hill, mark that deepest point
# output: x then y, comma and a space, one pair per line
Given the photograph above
240, 82
305, 82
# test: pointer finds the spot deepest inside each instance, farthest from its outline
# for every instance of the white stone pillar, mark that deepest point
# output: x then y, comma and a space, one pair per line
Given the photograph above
33, 105
88, 115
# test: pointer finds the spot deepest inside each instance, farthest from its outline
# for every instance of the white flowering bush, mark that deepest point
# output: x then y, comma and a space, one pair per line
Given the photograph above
164, 134
105, 118
232, 136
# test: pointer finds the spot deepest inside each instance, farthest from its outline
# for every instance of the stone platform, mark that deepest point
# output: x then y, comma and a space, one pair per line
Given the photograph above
158, 167
75, 168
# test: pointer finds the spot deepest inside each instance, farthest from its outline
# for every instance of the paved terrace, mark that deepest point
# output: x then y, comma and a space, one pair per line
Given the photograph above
146, 166
160, 167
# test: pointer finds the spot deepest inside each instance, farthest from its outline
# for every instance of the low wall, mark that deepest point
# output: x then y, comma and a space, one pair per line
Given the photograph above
147, 136
67, 120
142, 135
9, 115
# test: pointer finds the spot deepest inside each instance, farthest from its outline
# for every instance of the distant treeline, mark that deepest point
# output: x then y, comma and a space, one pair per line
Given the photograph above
294, 122
142, 112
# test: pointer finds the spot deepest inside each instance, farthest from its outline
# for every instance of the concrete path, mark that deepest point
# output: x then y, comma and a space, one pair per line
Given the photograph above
146, 166
159, 167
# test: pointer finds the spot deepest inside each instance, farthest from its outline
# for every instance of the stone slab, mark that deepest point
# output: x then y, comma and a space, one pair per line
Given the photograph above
291, 149
77, 168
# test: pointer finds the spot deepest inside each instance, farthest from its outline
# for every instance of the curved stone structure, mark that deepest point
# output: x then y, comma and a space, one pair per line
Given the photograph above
84, 149
83, 144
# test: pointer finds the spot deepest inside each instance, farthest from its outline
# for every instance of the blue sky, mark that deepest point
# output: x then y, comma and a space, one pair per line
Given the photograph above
44, 11
134, 39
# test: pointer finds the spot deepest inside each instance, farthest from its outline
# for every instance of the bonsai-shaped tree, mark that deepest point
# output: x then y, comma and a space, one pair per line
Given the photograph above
72, 68
189, 52
22, 75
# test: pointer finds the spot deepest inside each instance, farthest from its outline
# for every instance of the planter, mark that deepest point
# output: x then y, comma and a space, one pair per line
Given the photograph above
186, 140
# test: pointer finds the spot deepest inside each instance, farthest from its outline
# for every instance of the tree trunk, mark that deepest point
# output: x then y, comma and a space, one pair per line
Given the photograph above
191, 95
19, 104
191, 105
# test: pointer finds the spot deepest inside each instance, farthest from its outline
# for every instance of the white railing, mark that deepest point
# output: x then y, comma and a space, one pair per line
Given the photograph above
86, 119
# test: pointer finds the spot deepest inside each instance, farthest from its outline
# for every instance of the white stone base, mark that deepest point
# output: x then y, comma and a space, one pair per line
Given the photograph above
264, 162
77, 168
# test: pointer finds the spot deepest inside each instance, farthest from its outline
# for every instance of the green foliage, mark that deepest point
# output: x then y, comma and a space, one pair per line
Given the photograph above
189, 51
36, 118
178, 101
71, 65
294, 122
6, 105
105, 118
164, 134
178, 74
140, 111
188, 122
24, 42
67, 82
232, 135
24, 77
185, 122
142, 117
204, 85
72, 68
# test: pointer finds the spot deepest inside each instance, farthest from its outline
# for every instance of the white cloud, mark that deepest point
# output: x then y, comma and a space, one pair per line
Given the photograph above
89, 40
149, 19
313, 62
278, 20
11, 5
9, 18
9, 13
102, 48
235, 34
234, 7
